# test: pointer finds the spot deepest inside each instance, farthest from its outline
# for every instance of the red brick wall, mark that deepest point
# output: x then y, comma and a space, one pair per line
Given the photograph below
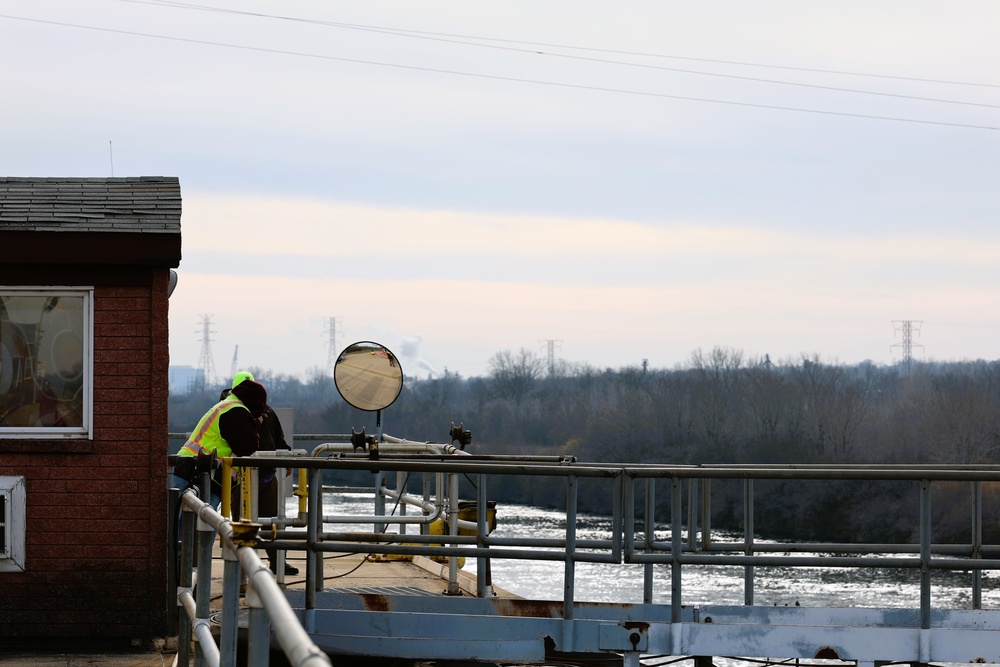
96, 510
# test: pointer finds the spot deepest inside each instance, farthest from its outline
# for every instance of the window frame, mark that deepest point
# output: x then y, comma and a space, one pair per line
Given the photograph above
14, 524
85, 430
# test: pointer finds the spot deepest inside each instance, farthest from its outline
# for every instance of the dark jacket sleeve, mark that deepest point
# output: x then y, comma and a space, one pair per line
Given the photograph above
239, 429
272, 436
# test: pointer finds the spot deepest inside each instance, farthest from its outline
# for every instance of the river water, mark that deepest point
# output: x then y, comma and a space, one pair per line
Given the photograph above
701, 585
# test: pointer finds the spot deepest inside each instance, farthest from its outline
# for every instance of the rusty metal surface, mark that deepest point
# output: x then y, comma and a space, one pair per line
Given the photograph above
439, 627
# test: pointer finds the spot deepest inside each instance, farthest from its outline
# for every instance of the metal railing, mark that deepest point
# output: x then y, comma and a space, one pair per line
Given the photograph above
427, 480
268, 607
927, 556
632, 536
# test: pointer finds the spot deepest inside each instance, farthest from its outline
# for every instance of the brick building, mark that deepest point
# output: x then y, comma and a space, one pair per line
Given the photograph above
85, 274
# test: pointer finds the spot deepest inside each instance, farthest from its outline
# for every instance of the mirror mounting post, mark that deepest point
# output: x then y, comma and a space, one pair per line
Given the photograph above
377, 438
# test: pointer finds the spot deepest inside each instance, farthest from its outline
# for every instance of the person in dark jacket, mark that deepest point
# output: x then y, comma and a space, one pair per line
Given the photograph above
229, 428
272, 438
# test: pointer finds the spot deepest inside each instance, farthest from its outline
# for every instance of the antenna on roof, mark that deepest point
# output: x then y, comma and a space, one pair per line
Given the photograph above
111, 151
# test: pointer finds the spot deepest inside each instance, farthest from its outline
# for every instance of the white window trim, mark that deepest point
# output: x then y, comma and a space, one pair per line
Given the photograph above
12, 488
85, 431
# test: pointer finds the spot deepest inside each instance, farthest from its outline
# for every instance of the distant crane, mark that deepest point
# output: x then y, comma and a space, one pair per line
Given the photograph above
236, 356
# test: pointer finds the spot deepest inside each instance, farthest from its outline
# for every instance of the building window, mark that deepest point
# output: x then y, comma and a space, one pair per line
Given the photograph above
46, 367
11, 524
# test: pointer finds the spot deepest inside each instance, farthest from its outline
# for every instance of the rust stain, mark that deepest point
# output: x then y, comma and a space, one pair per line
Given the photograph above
376, 602
527, 608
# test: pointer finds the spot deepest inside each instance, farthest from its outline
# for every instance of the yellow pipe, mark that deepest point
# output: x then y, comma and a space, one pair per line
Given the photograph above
303, 492
227, 485
246, 514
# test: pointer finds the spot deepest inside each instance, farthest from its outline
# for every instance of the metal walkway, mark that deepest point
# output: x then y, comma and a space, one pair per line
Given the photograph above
468, 621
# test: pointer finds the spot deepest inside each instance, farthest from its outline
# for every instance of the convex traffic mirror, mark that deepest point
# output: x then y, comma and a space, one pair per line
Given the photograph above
368, 376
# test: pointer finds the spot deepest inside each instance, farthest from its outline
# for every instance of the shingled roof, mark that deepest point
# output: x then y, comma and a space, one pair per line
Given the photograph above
144, 204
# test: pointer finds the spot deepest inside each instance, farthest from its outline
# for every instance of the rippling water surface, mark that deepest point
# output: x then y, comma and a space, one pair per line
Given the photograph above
701, 585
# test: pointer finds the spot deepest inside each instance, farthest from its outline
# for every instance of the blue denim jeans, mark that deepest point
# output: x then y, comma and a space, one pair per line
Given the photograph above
215, 499
178, 482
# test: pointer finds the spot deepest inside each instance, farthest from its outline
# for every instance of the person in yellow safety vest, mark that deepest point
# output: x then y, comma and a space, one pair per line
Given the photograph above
229, 428
272, 438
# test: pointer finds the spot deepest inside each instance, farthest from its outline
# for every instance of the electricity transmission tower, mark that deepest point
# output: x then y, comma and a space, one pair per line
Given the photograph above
907, 327
205, 362
550, 344
331, 356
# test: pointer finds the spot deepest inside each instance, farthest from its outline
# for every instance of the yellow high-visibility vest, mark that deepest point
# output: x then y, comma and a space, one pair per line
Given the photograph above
207, 436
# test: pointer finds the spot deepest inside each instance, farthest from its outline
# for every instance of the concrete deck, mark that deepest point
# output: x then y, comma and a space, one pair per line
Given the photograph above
355, 571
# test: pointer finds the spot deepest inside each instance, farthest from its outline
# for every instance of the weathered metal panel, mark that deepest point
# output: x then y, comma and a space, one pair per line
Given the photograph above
412, 624
844, 642
787, 642
431, 636
441, 627
417, 648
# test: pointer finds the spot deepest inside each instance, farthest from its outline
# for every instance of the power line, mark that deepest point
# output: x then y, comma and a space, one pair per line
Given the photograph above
429, 35
811, 70
404, 33
493, 77
443, 37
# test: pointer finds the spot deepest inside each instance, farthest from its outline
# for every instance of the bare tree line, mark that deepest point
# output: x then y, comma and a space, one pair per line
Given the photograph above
720, 407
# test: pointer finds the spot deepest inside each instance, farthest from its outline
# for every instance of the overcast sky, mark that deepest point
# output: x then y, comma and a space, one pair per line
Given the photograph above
632, 180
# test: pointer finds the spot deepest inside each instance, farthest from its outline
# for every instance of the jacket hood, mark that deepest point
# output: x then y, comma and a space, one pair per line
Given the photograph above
253, 395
